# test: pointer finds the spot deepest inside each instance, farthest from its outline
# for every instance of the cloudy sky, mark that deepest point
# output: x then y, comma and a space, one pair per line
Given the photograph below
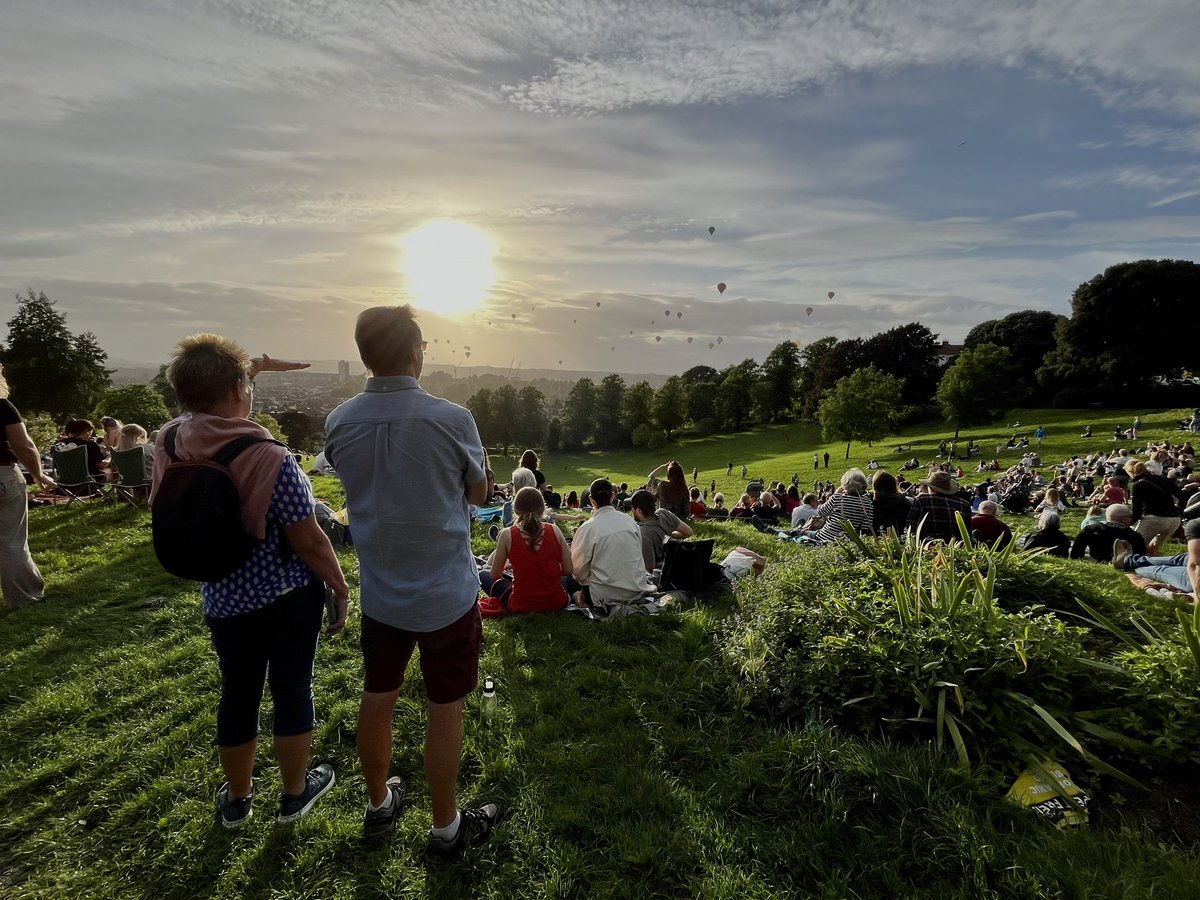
253, 166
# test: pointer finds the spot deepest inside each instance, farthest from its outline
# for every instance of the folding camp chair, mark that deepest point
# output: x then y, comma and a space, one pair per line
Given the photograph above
72, 475
134, 485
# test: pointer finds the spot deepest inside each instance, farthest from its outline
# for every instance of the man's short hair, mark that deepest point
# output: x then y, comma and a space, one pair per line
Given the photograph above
79, 426
386, 336
522, 478
1117, 511
810, 499
643, 500
601, 490
989, 508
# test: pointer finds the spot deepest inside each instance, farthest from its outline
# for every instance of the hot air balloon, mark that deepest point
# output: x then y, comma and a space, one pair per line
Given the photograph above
679, 315
711, 345
808, 310
612, 348
597, 304
657, 338
574, 321
467, 354
830, 295
720, 339
712, 230
721, 287
435, 340
631, 334
514, 315
560, 362
689, 340
667, 313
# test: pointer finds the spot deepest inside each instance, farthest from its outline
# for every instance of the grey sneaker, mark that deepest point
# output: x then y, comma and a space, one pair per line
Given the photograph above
378, 822
317, 783
234, 813
474, 829
1121, 551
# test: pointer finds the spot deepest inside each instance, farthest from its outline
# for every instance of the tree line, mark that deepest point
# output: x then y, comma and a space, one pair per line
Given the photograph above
1130, 337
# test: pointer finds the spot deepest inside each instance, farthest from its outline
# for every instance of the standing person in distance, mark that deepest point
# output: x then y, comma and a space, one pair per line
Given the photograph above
20, 580
411, 464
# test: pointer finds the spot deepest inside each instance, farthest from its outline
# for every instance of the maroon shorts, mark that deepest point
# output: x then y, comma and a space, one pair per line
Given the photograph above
449, 657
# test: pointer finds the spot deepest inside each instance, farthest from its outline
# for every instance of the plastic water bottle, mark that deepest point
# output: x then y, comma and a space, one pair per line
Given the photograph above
487, 705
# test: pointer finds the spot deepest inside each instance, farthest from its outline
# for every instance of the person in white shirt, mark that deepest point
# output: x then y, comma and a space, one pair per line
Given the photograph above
805, 511
607, 553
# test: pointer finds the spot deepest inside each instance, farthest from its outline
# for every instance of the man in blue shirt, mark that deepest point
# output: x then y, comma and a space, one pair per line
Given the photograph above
411, 464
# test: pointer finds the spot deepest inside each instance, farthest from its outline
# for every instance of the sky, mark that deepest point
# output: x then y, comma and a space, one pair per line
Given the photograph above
253, 167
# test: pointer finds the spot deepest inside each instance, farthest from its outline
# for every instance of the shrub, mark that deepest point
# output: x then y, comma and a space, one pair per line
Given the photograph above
935, 643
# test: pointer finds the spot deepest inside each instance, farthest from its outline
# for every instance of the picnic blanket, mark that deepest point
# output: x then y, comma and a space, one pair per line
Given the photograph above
650, 605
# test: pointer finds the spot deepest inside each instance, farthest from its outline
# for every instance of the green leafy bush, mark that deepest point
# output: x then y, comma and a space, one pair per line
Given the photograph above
957, 645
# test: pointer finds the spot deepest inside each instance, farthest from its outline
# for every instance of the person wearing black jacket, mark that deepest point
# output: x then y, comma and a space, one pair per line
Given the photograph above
1049, 536
890, 509
1097, 540
1156, 502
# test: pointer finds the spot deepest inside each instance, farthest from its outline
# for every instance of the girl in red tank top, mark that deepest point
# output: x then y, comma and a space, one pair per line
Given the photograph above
538, 554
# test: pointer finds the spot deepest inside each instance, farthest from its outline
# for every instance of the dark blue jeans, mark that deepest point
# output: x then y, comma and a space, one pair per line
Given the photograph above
276, 644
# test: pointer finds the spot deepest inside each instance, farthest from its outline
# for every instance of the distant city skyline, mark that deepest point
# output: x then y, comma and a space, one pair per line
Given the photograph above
262, 167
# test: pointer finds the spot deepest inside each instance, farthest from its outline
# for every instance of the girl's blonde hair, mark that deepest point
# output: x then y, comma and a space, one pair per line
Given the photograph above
528, 508
131, 436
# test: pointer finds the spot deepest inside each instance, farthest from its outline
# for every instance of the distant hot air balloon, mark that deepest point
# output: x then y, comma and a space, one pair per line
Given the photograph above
712, 230
631, 334
830, 295
679, 315
597, 304
435, 340
657, 338
721, 287
808, 310
689, 340
720, 339
514, 315
560, 362
667, 313
574, 321
711, 345
467, 354
612, 348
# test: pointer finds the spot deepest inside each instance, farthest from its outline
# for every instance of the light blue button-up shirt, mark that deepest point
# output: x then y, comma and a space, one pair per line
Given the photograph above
406, 458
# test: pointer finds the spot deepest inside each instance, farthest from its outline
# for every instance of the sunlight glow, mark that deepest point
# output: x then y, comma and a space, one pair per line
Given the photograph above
448, 266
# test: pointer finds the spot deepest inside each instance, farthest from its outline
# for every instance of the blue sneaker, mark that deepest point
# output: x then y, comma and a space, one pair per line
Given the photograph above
317, 783
234, 813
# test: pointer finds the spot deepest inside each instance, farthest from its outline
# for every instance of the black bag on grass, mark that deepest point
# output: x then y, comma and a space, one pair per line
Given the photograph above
688, 566
196, 515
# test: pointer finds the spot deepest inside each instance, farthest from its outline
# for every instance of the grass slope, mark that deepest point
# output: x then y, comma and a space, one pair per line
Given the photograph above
628, 767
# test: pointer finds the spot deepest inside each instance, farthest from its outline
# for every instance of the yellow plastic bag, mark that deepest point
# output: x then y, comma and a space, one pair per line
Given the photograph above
1047, 789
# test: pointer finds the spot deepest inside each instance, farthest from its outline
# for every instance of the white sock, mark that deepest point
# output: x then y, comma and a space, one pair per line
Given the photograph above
449, 832
386, 804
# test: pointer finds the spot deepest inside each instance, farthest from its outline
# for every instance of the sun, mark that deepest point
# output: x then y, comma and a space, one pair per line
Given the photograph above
448, 266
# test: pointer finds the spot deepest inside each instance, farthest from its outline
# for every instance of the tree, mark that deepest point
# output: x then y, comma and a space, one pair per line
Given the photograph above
976, 387
779, 377
702, 403
481, 406
736, 393
1029, 337
531, 417
812, 359
841, 360
163, 386
610, 429
579, 414
133, 403
553, 434
506, 414
697, 374
48, 368
864, 406
909, 352
670, 405
303, 431
1133, 322
637, 410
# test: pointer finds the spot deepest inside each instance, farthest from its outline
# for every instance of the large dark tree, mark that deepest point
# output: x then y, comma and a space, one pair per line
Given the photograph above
637, 409
670, 405
610, 400
482, 408
736, 393
303, 431
864, 406
812, 358
778, 381
1134, 322
696, 374
47, 367
531, 417
579, 414
1029, 338
909, 352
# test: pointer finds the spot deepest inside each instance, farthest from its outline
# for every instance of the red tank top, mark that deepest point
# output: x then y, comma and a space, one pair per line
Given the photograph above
537, 584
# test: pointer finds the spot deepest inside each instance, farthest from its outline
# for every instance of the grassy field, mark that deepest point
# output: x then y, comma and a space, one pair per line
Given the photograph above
627, 764
776, 451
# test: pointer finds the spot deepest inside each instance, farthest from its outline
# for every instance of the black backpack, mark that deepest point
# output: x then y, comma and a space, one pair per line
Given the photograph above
197, 513
687, 566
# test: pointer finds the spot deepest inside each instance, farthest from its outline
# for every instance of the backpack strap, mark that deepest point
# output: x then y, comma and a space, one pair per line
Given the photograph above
234, 448
169, 442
